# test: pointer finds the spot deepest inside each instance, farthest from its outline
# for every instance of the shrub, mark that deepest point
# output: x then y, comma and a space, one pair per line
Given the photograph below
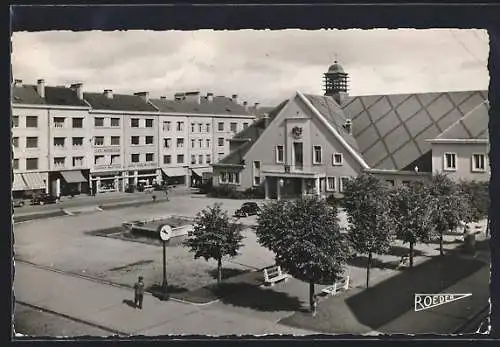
225, 191
254, 193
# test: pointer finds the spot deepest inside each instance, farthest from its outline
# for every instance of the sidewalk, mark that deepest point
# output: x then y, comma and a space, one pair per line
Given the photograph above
109, 306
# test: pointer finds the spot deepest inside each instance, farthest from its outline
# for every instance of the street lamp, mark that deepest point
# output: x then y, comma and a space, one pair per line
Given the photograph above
165, 235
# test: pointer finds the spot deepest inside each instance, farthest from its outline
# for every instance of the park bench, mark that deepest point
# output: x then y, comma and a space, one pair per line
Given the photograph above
342, 284
273, 275
404, 262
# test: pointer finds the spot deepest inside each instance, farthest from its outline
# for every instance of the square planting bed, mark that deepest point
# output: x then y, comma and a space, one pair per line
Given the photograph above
148, 231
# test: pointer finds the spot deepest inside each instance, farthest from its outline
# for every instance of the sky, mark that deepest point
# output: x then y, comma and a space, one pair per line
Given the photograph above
258, 65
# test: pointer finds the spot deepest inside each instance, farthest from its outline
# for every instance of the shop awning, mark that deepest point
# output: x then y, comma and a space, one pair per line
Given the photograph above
34, 180
18, 183
174, 171
195, 174
73, 176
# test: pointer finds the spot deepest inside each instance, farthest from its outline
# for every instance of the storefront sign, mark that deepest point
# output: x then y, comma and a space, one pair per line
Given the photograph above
108, 167
142, 165
108, 149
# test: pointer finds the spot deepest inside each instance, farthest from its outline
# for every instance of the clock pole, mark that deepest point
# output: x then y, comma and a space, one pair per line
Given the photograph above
165, 233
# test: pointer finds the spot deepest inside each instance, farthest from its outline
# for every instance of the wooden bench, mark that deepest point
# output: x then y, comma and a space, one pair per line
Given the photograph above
273, 275
342, 284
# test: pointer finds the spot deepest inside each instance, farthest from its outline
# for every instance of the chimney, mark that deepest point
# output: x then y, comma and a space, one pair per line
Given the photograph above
108, 93
18, 83
266, 120
348, 126
210, 97
78, 89
245, 105
256, 106
192, 97
40, 88
179, 96
234, 98
163, 98
143, 95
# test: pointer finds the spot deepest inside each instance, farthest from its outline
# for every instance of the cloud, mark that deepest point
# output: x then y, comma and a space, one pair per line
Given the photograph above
261, 66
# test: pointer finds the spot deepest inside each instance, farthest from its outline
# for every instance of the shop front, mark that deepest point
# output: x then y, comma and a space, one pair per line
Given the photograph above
69, 183
26, 185
106, 182
175, 176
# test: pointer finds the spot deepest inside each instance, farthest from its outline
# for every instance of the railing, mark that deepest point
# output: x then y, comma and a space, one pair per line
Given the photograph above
285, 168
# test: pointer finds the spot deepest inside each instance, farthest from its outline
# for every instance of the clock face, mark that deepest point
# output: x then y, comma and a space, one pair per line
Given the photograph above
165, 232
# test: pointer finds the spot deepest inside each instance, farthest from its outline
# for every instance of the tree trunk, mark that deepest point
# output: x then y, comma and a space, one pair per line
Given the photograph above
441, 251
219, 271
311, 296
368, 266
411, 254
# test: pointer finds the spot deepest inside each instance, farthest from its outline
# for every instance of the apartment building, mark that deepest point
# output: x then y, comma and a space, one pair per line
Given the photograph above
50, 135
312, 144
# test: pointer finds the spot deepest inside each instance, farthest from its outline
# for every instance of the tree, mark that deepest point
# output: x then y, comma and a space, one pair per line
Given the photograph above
305, 236
411, 209
214, 237
451, 206
477, 195
372, 228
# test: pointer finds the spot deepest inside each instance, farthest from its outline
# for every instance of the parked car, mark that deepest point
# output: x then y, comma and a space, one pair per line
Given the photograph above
247, 209
42, 199
17, 202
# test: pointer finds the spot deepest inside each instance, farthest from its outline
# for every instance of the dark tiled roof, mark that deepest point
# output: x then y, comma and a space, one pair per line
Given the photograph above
119, 102
60, 96
473, 125
391, 130
333, 113
261, 110
252, 133
219, 105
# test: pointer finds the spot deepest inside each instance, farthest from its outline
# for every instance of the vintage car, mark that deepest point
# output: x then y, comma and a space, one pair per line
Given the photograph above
18, 202
42, 199
247, 209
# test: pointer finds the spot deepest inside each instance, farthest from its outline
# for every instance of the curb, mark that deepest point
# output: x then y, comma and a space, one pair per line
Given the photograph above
78, 320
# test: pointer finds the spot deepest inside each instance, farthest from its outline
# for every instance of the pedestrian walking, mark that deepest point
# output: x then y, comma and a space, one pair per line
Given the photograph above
166, 192
139, 292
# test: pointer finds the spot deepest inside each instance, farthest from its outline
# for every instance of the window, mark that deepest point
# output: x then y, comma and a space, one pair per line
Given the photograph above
200, 159
256, 173
15, 164
15, 121
135, 158
230, 177
149, 156
200, 127
220, 126
149, 140
222, 177
192, 143
180, 142
478, 162
31, 163
167, 143
221, 156
450, 161
337, 159
115, 159
77, 122
77, 161
59, 161
343, 183
180, 126
192, 127
77, 141
134, 140
220, 141
134, 122
149, 123
330, 184
167, 159
317, 155
193, 159
208, 159
245, 125
166, 126
237, 177
256, 180
180, 158
98, 122
99, 159
115, 122
234, 127
99, 141
32, 122
59, 141
279, 154
58, 122
208, 143
256, 165
15, 142
115, 140
208, 127
31, 142
200, 142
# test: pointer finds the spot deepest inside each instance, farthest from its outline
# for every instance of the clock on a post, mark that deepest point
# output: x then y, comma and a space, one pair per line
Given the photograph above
165, 232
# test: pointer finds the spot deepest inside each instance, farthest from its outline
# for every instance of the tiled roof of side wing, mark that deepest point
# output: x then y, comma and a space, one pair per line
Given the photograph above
219, 105
391, 130
253, 132
473, 125
58, 96
118, 102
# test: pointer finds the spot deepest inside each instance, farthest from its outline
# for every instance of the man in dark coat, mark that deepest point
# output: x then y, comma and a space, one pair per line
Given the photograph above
139, 292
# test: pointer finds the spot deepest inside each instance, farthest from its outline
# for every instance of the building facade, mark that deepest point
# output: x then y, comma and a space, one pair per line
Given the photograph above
312, 144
